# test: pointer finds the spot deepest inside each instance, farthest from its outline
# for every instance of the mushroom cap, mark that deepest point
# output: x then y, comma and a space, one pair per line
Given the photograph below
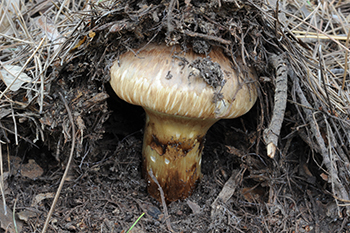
158, 78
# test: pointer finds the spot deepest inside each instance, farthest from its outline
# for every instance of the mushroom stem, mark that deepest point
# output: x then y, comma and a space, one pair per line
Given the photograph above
177, 94
172, 148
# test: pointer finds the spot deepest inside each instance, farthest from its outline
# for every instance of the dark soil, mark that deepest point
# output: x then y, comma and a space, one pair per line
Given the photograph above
106, 193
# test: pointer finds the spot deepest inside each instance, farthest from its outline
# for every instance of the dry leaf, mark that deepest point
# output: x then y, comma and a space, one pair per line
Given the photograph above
50, 30
31, 170
8, 9
80, 42
324, 176
42, 196
234, 151
253, 195
26, 214
196, 209
92, 34
8, 75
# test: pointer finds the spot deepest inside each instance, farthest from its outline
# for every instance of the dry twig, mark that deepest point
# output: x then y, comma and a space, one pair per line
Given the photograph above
48, 218
338, 187
165, 209
272, 133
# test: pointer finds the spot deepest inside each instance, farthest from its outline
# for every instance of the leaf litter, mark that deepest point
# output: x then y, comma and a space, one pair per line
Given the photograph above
299, 183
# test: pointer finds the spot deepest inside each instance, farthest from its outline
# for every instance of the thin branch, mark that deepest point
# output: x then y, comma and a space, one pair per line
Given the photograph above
271, 134
165, 209
207, 37
67, 167
338, 187
346, 61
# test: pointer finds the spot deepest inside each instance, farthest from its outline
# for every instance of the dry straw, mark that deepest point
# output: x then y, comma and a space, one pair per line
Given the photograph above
44, 37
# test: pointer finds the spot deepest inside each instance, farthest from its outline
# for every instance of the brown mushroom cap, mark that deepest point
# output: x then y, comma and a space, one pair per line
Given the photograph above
157, 80
177, 90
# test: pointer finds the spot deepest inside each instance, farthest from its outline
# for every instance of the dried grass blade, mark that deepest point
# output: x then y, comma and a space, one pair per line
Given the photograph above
2, 181
24, 66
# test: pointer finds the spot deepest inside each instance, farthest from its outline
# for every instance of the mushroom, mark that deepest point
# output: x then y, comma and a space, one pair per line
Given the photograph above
180, 105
